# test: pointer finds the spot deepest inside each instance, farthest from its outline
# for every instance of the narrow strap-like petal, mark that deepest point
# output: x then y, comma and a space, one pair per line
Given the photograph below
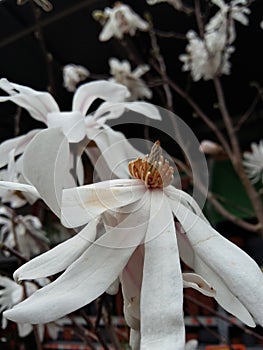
58, 258
37, 103
237, 270
162, 321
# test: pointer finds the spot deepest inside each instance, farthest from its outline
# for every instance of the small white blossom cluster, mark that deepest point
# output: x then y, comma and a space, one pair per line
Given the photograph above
119, 20
209, 56
253, 162
72, 75
177, 4
122, 73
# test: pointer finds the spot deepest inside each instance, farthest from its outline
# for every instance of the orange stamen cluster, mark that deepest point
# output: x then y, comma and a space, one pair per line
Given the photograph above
153, 170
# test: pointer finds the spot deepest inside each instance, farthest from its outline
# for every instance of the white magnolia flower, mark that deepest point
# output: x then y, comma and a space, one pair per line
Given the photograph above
209, 57
177, 4
72, 75
142, 246
22, 232
77, 125
120, 20
11, 294
253, 162
122, 74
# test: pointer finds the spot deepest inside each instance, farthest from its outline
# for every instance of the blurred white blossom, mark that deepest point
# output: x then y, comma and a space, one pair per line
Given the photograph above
122, 73
120, 20
209, 57
253, 162
177, 4
72, 75
23, 233
210, 147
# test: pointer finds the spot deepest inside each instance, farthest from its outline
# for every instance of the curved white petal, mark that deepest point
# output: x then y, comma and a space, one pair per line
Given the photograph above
131, 280
80, 204
116, 152
46, 165
18, 144
58, 258
135, 339
38, 104
88, 277
72, 124
224, 260
110, 110
89, 92
192, 280
16, 186
162, 321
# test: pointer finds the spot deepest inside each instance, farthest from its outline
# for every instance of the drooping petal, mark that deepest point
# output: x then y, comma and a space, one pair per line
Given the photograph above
105, 90
113, 146
58, 258
80, 204
46, 165
131, 281
88, 277
110, 110
192, 280
162, 321
72, 124
135, 339
24, 329
225, 266
18, 144
37, 103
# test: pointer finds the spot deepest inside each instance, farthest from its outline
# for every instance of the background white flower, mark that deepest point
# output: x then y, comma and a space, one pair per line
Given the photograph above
120, 20
253, 162
122, 74
72, 75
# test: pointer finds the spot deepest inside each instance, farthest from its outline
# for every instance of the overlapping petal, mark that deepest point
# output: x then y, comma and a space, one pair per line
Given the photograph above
38, 104
81, 204
229, 269
58, 258
105, 90
88, 277
45, 165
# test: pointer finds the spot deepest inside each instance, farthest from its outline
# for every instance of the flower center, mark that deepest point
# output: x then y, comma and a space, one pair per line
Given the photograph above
153, 169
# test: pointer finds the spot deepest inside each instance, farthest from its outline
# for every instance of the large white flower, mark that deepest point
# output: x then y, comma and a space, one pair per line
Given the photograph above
120, 20
253, 162
142, 246
77, 125
12, 293
122, 74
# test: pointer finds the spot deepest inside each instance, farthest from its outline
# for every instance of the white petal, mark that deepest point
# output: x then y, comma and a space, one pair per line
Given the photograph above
38, 104
16, 186
135, 339
58, 258
88, 277
105, 90
162, 321
46, 162
131, 280
116, 151
192, 280
80, 204
72, 124
240, 273
18, 144
24, 329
